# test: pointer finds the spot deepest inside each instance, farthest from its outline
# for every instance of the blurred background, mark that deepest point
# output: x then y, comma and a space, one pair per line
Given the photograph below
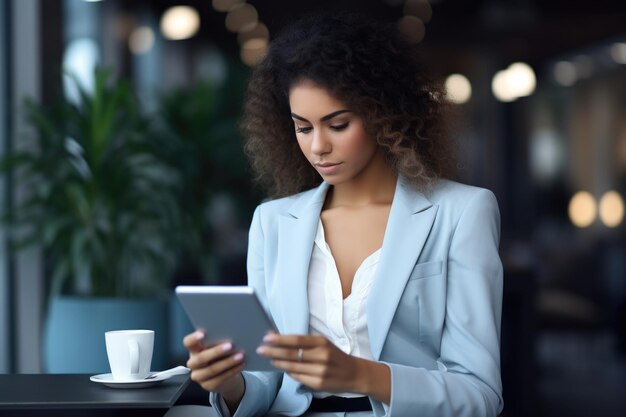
122, 175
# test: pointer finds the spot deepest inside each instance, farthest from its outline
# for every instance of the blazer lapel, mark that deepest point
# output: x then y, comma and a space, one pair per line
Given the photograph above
410, 221
296, 235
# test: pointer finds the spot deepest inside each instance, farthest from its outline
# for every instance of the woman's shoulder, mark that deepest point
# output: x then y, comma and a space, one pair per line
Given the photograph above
455, 194
282, 205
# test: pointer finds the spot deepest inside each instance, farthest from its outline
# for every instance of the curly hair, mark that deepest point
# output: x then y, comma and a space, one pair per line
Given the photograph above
367, 65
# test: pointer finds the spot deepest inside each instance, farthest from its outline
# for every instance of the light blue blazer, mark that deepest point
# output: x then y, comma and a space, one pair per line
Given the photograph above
433, 311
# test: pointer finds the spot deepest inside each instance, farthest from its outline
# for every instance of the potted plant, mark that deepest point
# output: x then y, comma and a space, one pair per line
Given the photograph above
198, 138
101, 206
196, 133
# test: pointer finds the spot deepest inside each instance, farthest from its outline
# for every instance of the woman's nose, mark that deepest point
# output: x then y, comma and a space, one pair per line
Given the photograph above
319, 144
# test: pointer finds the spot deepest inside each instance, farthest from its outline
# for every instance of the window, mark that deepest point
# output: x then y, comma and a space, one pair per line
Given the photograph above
5, 300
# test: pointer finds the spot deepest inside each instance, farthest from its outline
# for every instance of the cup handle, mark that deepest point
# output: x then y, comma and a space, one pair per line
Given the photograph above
133, 349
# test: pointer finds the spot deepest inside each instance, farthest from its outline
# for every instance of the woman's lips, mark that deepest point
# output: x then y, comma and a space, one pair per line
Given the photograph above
327, 168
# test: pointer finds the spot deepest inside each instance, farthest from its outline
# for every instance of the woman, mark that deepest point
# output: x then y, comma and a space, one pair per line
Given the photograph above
383, 277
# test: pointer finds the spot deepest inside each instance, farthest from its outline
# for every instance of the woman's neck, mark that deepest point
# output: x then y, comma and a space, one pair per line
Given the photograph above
376, 185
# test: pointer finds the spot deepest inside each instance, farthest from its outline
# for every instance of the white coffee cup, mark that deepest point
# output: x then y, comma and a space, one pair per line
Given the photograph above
130, 353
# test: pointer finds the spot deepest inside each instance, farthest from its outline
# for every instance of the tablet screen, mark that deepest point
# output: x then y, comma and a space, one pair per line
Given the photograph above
229, 313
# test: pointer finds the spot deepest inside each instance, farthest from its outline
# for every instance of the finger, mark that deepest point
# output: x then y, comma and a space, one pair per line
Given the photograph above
293, 354
278, 352
194, 341
206, 356
230, 373
303, 368
296, 341
217, 381
216, 369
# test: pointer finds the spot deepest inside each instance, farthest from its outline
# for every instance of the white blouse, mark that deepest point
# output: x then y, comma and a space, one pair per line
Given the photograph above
342, 321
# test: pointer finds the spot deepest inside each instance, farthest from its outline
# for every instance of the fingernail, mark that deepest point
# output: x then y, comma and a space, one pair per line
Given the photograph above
238, 357
227, 346
261, 350
268, 337
199, 335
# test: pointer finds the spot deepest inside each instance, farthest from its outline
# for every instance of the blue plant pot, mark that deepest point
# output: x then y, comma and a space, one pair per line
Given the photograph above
75, 327
179, 326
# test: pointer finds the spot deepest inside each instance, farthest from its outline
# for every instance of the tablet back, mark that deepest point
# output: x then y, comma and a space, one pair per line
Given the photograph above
229, 313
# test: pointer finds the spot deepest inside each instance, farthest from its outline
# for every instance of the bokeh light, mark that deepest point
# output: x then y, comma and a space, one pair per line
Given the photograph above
412, 28
259, 31
225, 5
180, 22
547, 155
80, 59
518, 80
253, 51
458, 88
241, 18
611, 209
141, 40
522, 79
582, 209
565, 73
418, 8
618, 52
501, 87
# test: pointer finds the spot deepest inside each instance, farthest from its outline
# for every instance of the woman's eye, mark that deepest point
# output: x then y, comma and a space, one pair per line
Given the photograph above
340, 127
303, 129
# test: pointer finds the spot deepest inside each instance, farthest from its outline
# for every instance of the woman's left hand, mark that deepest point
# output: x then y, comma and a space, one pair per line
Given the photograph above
316, 362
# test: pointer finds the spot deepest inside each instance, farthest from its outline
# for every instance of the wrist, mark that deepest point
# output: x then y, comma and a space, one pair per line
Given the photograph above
233, 394
363, 378
374, 380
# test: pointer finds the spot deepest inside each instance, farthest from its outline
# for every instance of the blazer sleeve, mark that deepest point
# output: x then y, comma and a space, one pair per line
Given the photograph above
468, 381
261, 387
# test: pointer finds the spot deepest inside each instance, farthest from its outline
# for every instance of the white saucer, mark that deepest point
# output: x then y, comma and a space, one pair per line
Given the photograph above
107, 379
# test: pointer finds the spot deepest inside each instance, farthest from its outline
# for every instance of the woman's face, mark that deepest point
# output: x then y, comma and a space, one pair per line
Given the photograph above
330, 135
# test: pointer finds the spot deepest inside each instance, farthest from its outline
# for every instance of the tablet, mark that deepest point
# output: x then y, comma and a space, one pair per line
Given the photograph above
229, 313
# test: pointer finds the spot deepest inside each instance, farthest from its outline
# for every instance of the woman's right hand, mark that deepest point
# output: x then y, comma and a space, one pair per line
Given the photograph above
216, 368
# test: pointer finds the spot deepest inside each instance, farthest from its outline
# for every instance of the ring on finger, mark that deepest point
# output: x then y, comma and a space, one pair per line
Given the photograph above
300, 354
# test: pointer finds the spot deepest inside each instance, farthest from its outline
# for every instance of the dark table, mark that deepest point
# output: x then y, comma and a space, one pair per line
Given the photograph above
75, 395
